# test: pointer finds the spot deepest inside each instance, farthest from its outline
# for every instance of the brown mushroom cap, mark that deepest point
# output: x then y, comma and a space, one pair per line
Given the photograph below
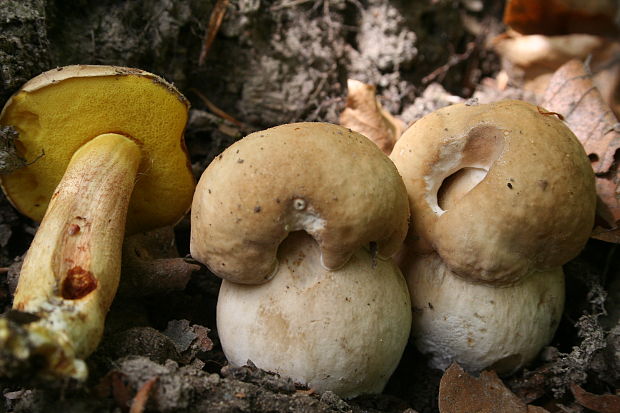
325, 179
58, 111
497, 190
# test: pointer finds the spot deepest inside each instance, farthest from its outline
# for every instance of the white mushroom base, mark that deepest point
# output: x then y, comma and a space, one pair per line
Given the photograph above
343, 330
479, 326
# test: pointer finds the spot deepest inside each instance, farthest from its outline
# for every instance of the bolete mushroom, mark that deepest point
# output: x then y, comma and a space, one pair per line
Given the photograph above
114, 163
502, 195
327, 308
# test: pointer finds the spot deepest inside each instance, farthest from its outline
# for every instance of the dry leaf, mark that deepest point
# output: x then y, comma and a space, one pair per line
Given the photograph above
188, 340
572, 94
364, 115
605, 403
531, 60
461, 393
563, 16
546, 51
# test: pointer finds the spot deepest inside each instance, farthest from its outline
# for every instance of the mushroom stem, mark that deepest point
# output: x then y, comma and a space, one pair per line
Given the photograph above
72, 270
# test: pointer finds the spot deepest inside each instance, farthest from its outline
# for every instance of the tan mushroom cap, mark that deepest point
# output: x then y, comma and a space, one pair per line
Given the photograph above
58, 111
497, 190
325, 179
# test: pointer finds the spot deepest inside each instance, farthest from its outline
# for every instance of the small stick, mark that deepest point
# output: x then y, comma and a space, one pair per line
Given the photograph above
217, 111
452, 61
142, 396
217, 15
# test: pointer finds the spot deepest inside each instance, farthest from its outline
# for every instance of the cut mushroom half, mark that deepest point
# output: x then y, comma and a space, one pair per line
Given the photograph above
114, 163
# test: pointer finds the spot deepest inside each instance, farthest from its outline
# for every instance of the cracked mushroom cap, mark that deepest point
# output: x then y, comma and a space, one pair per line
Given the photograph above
327, 180
497, 190
343, 331
481, 326
58, 111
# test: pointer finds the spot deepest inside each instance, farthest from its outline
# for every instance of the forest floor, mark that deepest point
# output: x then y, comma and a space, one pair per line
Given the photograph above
274, 62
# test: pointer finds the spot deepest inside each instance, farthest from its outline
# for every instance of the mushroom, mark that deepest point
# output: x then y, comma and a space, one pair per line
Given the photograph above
501, 195
327, 308
114, 164
480, 325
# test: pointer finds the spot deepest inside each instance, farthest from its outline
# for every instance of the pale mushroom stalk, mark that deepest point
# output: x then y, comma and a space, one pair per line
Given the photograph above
351, 351
71, 272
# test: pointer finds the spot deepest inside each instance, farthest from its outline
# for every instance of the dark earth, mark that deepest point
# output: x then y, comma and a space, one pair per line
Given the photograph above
271, 62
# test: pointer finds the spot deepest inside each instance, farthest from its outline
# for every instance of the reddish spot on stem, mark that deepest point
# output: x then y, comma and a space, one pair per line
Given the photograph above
73, 229
78, 283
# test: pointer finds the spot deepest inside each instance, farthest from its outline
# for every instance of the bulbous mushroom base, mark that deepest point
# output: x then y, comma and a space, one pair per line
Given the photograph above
343, 330
481, 326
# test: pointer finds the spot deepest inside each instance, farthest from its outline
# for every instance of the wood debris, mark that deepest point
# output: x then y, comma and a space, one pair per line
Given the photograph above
215, 21
138, 405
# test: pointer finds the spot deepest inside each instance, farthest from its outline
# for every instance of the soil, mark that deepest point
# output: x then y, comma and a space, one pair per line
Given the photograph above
272, 62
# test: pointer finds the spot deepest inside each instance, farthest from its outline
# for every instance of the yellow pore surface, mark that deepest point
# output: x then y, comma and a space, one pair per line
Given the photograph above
60, 117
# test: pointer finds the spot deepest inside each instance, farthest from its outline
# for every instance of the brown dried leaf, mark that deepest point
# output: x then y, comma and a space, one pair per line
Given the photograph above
188, 340
203, 342
572, 94
605, 403
461, 393
364, 115
530, 61
546, 51
562, 16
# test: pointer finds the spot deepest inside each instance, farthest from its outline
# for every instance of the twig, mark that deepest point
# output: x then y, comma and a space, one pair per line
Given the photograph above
452, 61
217, 111
4, 270
288, 4
142, 396
215, 21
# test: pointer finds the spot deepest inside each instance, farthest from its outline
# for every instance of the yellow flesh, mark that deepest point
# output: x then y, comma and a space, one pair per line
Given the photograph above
72, 269
59, 118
